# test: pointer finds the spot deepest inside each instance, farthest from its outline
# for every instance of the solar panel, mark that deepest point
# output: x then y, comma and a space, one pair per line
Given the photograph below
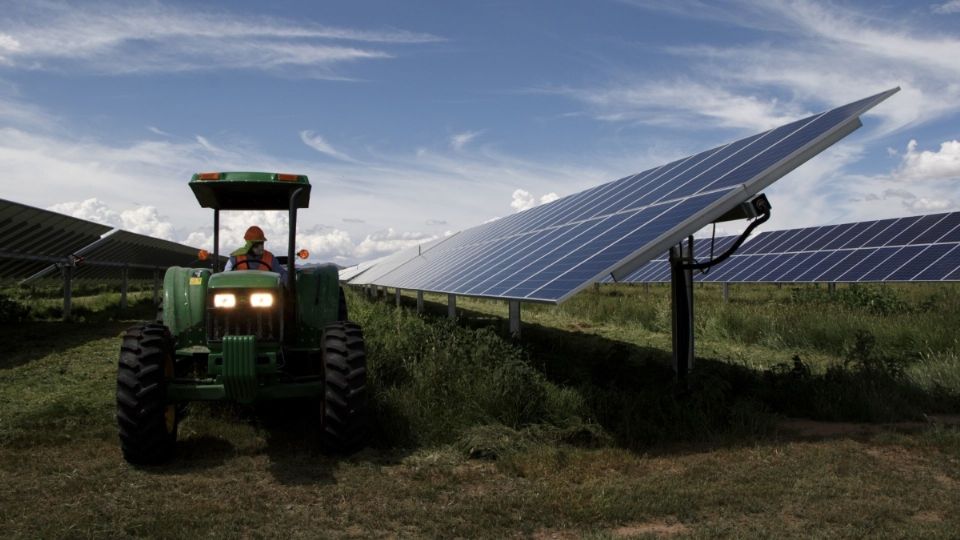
31, 238
915, 248
370, 274
139, 253
550, 252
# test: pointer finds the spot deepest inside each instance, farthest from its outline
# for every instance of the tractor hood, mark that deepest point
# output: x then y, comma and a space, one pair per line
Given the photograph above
245, 279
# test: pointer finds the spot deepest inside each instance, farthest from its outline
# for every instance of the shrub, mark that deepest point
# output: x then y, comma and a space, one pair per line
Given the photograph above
12, 311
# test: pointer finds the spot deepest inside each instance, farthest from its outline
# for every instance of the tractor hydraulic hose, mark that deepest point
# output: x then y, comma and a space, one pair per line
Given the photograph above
736, 245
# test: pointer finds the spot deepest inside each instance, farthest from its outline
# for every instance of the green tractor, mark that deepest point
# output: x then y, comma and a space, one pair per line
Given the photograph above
244, 336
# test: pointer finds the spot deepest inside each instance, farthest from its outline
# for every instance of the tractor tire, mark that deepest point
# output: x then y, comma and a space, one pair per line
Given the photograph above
146, 419
344, 426
342, 307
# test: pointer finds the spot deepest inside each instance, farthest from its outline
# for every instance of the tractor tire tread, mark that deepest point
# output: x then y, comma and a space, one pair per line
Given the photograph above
141, 395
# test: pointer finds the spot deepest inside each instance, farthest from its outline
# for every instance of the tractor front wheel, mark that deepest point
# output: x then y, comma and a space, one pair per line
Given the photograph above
146, 418
345, 393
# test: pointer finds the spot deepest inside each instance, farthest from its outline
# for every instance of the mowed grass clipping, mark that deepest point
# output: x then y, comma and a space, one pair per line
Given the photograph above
577, 430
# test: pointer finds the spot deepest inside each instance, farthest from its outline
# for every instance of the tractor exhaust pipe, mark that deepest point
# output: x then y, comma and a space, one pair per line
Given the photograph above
291, 245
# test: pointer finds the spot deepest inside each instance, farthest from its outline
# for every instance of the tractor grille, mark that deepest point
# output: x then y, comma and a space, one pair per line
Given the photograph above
265, 324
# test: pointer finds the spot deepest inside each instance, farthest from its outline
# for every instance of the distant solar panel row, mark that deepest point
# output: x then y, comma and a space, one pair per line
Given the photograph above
550, 252
39, 233
916, 248
33, 239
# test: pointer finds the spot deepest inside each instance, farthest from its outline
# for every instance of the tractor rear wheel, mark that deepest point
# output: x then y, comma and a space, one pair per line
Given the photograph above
345, 392
146, 418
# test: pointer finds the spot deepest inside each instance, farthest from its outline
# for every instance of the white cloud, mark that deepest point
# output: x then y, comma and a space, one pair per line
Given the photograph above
943, 164
389, 241
143, 220
924, 205
549, 197
523, 200
319, 144
458, 141
152, 37
952, 6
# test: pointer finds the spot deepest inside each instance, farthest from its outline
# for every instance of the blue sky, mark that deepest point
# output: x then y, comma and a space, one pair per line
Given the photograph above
414, 119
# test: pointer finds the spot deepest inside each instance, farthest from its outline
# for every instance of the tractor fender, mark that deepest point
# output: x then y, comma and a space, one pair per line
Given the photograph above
185, 303
318, 300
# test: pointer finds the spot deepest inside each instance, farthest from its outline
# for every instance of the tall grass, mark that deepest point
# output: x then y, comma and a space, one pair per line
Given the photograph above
433, 382
877, 343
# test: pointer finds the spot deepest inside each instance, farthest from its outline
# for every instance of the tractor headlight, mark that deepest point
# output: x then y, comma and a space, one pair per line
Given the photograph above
224, 300
261, 300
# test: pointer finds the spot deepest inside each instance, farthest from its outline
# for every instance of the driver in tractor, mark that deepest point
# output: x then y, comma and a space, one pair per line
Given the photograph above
253, 256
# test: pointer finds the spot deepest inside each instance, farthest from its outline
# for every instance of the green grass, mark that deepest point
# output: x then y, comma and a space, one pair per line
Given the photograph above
577, 430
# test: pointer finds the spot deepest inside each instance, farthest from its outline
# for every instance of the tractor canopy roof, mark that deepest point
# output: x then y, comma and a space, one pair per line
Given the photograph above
250, 190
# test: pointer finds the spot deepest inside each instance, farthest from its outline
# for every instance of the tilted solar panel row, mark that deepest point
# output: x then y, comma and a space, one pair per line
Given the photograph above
915, 248
550, 252
34, 240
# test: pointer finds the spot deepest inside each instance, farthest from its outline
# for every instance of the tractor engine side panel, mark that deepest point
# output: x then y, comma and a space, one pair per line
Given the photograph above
318, 297
184, 304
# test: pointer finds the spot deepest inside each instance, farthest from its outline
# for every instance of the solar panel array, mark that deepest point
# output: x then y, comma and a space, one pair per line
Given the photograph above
915, 248
31, 238
550, 252
374, 271
33, 241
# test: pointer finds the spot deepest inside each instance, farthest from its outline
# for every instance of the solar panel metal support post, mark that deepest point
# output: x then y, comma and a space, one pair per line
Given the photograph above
831, 287
681, 293
67, 271
123, 288
726, 292
452, 306
419, 302
514, 318
397, 291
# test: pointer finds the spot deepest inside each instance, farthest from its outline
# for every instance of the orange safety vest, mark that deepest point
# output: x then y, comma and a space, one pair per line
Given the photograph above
266, 260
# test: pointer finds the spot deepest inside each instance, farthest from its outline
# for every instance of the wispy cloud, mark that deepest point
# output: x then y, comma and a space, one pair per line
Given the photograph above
118, 38
789, 55
953, 6
684, 103
320, 144
458, 141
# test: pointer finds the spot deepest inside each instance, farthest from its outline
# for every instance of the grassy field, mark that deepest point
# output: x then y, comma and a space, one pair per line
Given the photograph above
808, 415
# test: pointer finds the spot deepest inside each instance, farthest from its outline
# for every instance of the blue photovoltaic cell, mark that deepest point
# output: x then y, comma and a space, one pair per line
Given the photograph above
551, 251
915, 248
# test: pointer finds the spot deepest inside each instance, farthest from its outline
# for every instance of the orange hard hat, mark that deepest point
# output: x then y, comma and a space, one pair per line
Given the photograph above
254, 234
